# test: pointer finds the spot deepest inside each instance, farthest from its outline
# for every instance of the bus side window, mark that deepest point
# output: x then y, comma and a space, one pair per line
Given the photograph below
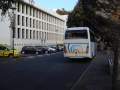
92, 37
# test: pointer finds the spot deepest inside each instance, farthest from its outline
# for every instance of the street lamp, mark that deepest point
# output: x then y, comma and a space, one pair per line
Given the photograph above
13, 8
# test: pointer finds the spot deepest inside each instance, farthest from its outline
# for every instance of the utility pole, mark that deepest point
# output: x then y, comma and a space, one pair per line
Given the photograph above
13, 8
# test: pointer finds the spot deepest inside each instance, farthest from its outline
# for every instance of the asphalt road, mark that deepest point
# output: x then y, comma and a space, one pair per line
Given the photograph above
48, 72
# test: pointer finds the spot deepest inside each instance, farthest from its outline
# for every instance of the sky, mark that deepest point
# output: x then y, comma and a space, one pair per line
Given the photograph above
57, 4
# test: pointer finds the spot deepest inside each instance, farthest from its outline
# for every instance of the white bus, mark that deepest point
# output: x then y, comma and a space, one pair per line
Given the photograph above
79, 42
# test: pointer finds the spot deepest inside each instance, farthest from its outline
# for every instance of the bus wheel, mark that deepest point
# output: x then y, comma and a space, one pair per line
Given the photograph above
70, 59
36, 53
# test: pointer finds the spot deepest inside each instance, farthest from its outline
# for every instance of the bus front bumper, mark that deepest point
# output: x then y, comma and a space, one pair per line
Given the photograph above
76, 56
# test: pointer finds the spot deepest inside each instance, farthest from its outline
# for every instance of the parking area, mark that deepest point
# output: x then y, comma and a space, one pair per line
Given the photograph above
28, 51
23, 57
37, 55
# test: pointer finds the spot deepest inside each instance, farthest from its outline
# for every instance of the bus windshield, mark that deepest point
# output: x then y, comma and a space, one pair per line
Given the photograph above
76, 34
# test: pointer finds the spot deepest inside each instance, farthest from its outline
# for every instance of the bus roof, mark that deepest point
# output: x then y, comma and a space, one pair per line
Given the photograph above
78, 28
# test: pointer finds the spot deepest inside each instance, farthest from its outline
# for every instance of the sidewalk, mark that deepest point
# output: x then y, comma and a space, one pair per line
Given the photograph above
96, 77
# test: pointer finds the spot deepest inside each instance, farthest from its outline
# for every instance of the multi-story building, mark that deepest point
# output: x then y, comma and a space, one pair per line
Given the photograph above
33, 26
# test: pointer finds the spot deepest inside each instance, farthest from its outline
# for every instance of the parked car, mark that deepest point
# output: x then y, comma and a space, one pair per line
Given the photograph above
31, 50
51, 50
8, 52
44, 49
58, 48
61, 48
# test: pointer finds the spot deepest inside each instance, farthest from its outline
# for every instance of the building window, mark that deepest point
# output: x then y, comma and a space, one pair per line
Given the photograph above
18, 19
18, 7
33, 23
26, 21
30, 11
37, 24
37, 34
42, 26
23, 33
45, 26
30, 22
43, 16
30, 34
33, 34
37, 13
22, 8
33, 12
18, 33
26, 33
42, 35
47, 17
45, 36
22, 20
26, 9
40, 14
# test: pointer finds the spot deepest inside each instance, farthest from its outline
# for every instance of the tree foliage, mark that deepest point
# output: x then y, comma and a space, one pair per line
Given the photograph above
5, 5
62, 11
97, 14
79, 17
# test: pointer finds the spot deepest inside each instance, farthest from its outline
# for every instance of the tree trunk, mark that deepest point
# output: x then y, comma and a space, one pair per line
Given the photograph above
115, 65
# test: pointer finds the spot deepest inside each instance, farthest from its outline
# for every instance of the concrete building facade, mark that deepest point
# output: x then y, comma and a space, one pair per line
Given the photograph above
33, 26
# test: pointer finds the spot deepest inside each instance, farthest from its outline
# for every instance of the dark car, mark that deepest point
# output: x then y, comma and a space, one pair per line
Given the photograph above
43, 49
61, 48
56, 47
51, 49
31, 50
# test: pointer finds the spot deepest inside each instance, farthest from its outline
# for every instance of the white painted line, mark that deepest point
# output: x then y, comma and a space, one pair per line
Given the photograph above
39, 55
30, 57
80, 78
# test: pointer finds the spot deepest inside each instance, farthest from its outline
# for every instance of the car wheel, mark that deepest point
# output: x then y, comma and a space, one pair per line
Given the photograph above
37, 53
23, 52
46, 52
10, 56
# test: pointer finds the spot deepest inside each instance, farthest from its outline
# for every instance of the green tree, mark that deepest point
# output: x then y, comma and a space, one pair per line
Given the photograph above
7, 4
97, 14
76, 17
62, 11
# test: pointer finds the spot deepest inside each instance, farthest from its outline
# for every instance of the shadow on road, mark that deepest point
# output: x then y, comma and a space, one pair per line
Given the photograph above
79, 61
